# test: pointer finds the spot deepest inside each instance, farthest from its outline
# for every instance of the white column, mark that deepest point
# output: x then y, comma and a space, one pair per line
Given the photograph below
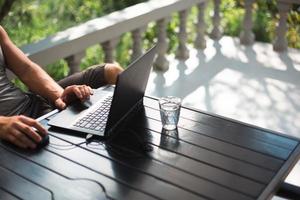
109, 48
74, 62
247, 36
200, 42
137, 43
216, 32
182, 51
280, 43
161, 63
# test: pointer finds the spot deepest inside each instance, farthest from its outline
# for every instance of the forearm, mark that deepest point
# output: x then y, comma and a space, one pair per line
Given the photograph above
29, 72
37, 80
42, 83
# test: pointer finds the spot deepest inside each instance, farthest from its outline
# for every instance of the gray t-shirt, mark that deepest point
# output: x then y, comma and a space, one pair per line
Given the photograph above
13, 101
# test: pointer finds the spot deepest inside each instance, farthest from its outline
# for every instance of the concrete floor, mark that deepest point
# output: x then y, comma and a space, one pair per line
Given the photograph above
252, 84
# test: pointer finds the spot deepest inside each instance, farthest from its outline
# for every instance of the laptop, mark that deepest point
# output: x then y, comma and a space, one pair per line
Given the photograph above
109, 105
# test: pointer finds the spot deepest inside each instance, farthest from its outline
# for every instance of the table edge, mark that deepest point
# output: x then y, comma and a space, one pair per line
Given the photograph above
273, 186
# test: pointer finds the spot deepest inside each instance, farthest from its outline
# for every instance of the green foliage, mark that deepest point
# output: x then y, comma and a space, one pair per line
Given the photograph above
150, 35
20, 84
33, 20
293, 34
94, 55
231, 19
113, 5
172, 31
58, 70
123, 51
265, 19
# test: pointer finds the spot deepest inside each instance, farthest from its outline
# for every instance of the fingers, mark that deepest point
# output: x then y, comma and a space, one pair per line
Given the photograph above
16, 142
82, 92
21, 140
19, 131
71, 93
91, 90
60, 104
33, 123
86, 91
78, 93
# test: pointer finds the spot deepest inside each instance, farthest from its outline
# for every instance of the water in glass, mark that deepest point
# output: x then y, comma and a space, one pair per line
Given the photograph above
169, 112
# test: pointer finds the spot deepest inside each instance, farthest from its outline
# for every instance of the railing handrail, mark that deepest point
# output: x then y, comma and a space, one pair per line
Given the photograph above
78, 38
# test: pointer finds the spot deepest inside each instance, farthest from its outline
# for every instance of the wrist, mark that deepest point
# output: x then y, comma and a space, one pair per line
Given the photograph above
56, 95
2, 120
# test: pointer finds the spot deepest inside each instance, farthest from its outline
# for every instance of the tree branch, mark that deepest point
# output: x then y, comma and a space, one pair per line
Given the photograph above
6, 6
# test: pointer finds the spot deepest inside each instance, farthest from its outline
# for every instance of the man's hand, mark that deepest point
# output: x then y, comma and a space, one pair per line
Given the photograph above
19, 129
71, 93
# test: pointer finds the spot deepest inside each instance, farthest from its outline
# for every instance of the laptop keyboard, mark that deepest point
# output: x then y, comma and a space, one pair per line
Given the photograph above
96, 120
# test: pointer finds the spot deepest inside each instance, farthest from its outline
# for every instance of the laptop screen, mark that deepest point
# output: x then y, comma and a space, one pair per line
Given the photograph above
130, 89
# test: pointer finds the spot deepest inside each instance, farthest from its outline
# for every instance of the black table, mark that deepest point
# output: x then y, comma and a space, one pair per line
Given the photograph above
210, 157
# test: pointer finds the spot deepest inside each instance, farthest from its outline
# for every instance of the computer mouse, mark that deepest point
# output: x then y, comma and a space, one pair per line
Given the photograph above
44, 142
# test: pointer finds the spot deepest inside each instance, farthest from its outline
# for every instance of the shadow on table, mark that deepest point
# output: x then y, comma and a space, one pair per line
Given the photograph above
128, 151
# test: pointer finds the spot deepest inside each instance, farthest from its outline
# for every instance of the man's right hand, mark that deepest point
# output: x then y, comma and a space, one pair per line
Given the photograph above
70, 93
19, 129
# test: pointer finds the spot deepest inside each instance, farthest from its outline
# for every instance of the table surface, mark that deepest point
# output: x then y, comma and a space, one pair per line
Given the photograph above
208, 157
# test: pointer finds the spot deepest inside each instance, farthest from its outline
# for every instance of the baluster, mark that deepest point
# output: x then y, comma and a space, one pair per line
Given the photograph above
247, 36
161, 62
182, 51
280, 43
74, 62
200, 42
216, 32
137, 43
108, 48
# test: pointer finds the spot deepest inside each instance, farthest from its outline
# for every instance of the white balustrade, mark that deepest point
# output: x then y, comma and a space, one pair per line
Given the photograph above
200, 42
161, 63
137, 43
67, 44
74, 62
182, 51
109, 48
247, 36
216, 32
280, 43
72, 43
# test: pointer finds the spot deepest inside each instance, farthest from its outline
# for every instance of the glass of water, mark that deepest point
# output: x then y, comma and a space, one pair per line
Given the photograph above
169, 111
